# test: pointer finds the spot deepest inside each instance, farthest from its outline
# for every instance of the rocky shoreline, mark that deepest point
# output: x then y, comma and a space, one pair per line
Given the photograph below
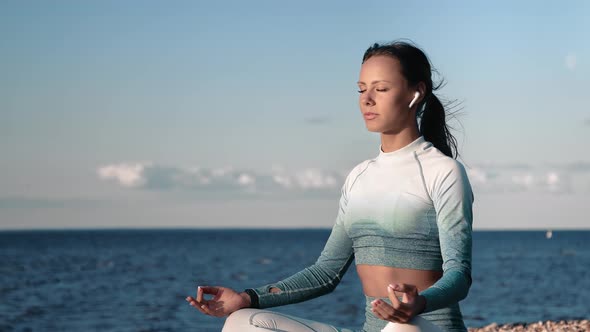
561, 326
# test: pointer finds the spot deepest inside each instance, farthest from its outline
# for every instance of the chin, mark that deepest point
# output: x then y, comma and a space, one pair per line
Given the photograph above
373, 129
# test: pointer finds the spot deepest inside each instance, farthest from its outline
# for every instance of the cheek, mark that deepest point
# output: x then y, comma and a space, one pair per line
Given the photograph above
392, 101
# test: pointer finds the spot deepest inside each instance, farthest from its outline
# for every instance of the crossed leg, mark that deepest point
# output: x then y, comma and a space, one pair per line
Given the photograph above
259, 320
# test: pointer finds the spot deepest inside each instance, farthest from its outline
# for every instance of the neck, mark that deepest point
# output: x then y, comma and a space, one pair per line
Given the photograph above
394, 141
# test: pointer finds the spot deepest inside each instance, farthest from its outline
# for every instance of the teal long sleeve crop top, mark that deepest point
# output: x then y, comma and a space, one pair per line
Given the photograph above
410, 208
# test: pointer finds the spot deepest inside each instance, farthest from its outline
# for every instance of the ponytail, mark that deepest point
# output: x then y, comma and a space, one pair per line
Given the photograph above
434, 128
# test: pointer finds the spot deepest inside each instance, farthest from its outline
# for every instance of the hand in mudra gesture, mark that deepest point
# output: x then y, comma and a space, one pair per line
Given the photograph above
224, 302
411, 305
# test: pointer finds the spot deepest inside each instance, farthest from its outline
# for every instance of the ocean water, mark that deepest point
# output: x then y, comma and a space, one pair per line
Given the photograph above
137, 280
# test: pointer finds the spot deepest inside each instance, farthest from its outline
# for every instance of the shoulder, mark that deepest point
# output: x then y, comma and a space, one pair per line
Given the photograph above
442, 172
356, 171
360, 167
437, 164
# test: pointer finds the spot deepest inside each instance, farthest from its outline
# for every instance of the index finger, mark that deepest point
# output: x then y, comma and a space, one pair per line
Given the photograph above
199, 294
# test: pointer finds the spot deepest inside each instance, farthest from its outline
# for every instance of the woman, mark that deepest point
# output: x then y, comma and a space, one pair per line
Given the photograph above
405, 217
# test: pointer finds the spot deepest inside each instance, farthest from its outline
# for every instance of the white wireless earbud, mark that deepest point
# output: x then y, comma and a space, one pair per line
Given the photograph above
416, 95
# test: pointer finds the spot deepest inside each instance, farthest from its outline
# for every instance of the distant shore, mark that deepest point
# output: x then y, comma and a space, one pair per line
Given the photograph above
561, 326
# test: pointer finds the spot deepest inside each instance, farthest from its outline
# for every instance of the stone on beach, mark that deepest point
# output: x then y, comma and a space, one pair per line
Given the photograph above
547, 326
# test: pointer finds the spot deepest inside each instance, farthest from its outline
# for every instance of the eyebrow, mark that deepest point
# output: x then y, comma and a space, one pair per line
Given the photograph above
359, 82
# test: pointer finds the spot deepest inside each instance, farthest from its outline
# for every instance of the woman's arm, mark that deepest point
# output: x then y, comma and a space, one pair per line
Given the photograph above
318, 279
453, 199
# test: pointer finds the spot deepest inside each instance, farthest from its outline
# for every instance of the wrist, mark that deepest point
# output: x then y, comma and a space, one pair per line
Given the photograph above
421, 299
252, 298
246, 300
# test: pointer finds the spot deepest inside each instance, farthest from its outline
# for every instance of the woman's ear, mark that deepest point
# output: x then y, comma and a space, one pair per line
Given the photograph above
415, 99
421, 87
419, 92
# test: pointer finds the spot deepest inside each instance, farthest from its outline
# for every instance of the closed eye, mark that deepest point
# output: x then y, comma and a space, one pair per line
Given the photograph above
379, 90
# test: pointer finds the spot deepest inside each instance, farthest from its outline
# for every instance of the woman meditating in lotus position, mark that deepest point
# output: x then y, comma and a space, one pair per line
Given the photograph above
405, 218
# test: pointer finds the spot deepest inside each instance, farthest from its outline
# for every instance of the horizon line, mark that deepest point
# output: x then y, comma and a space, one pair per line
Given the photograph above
254, 228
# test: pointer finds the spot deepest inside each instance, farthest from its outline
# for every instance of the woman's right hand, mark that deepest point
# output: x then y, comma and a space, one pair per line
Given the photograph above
224, 302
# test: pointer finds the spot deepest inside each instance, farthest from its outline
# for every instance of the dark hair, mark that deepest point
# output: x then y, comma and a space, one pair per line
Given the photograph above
416, 68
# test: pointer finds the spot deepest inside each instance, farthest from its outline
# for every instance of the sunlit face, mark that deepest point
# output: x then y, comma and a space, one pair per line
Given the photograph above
385, 95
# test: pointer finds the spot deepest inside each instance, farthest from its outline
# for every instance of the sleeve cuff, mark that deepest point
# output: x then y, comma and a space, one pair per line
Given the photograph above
253, 298
451, 288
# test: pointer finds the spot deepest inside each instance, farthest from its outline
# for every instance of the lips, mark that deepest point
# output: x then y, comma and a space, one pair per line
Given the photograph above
370, 116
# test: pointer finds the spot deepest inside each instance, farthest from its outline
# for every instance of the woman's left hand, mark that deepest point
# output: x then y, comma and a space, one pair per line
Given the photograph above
411, 305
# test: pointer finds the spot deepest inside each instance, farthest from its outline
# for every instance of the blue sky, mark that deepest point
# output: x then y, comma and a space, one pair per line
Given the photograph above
234, 114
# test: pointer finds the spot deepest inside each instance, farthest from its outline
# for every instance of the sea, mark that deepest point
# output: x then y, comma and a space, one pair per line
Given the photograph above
138, 279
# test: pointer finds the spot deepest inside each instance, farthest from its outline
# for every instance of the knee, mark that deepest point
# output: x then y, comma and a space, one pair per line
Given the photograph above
238, 320
251, 320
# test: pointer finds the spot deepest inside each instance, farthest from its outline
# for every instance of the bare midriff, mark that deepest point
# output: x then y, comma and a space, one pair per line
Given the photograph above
375, 278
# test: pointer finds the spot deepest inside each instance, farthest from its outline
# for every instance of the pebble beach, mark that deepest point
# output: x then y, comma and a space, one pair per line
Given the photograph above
561, 326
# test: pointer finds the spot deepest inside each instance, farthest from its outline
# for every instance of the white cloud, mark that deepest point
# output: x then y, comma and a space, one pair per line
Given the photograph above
565, 178
315, 178
526, 180
552, 178
128, 175
571, 61
283, 180
485, 178
223, 179
246, 179
477, 176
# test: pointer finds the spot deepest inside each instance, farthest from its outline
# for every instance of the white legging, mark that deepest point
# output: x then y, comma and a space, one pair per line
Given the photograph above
259, 320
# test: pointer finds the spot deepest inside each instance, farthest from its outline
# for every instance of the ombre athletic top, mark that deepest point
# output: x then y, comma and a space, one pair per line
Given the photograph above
410, 208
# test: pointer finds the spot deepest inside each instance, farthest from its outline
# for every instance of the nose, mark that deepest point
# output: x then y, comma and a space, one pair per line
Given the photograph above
367, 99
